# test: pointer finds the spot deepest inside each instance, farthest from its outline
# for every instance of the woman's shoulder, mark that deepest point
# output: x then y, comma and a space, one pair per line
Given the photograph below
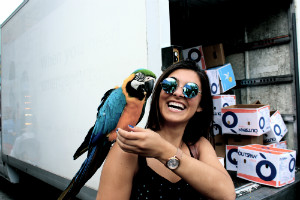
203, 141
204, 146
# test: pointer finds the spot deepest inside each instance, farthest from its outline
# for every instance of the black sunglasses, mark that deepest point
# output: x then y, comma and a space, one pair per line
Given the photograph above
189, 90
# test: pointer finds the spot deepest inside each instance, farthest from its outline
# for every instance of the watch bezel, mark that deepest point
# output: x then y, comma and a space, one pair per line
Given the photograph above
173, 163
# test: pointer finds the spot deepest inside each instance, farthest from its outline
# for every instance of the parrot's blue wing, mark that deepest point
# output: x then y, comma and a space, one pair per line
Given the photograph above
103, 99
109, 113
108, 116
85, 144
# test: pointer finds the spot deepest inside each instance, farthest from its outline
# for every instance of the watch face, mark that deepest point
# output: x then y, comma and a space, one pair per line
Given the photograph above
173, 163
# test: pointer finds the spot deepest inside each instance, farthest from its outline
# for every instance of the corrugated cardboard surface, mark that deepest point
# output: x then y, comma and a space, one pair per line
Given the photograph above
214, 55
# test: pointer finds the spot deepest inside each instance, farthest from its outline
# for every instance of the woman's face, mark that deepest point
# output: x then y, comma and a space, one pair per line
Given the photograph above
175, 108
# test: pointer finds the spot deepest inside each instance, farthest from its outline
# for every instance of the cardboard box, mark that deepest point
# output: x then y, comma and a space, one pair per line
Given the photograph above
231, 157
256, 102
266, 165
217, 129
221, 101
221, 159
278, 128
221, 79
214, 55
195, 54
280, 145
220, 145
242, 140
246, 119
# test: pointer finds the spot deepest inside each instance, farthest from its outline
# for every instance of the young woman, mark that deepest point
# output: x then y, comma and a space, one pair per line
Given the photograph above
174, 157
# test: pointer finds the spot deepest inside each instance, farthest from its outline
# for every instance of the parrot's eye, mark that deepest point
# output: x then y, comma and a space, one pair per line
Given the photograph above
139, 77
149, 78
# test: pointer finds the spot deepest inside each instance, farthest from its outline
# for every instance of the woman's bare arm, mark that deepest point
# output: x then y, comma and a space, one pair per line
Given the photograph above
206, 175
117, 174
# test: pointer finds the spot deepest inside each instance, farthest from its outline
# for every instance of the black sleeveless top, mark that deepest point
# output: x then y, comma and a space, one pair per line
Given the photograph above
147, 184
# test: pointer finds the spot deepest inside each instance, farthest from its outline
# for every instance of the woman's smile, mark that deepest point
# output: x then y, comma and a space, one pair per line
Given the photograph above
176, 106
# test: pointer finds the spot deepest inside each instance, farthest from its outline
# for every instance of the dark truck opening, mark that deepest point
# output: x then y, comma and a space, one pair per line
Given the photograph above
258, 38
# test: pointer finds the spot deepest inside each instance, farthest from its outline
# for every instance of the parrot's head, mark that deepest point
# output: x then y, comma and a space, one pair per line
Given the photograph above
141, 85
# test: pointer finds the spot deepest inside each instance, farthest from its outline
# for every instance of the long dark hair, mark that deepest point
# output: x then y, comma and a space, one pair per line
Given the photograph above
201, 123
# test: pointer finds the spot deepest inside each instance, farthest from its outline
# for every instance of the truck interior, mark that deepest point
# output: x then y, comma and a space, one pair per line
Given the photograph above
246, 27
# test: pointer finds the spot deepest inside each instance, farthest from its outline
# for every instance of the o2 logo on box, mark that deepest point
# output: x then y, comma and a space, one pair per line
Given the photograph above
214, 88
230, 156
225, 105
277, 130
292, 164
230, 120
265, 169
262, 123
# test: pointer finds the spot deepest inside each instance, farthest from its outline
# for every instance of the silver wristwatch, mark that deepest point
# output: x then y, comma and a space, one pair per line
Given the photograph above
174, 162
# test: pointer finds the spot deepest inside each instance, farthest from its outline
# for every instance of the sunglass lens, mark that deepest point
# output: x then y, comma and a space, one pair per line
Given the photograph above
190, 90
169, 85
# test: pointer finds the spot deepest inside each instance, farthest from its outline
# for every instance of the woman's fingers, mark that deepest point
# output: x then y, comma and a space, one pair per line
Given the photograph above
132, 141
127, 140
140, 141
136, 128
126, 135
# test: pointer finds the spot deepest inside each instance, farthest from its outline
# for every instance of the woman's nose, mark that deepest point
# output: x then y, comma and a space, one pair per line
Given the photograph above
178, 92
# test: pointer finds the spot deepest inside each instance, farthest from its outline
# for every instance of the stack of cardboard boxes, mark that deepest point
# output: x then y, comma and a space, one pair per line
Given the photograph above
248, 136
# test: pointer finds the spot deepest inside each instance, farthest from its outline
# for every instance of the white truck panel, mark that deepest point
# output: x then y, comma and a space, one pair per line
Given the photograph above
58, 59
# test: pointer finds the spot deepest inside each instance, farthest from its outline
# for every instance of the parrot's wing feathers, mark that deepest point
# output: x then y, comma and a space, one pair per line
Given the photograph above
108, 115
105, 96
85, 144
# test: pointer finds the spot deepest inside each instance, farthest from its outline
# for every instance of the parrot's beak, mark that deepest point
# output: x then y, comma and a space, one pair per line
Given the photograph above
148, 88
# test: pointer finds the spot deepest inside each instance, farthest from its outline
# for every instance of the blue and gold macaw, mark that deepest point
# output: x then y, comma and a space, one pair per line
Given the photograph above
119, 107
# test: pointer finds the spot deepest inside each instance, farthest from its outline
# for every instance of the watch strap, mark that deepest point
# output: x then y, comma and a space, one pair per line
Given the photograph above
178, 153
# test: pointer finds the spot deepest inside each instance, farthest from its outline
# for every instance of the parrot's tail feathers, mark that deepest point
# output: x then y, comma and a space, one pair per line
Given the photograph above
65, 195
85, 144
79, 152
88, 168
92, 163
77, 182
75, 185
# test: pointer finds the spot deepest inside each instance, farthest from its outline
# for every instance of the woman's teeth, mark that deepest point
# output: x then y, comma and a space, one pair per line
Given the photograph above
175, 105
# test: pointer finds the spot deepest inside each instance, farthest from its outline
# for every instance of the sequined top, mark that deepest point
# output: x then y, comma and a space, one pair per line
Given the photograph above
147, 184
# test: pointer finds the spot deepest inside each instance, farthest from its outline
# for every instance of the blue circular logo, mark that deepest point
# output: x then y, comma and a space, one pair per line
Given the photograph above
277, 130
214, 88
225, 105
269, 165
230, 152
261, 122
292, 167
235, 119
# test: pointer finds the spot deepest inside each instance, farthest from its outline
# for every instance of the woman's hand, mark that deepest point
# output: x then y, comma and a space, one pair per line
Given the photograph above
144, 142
